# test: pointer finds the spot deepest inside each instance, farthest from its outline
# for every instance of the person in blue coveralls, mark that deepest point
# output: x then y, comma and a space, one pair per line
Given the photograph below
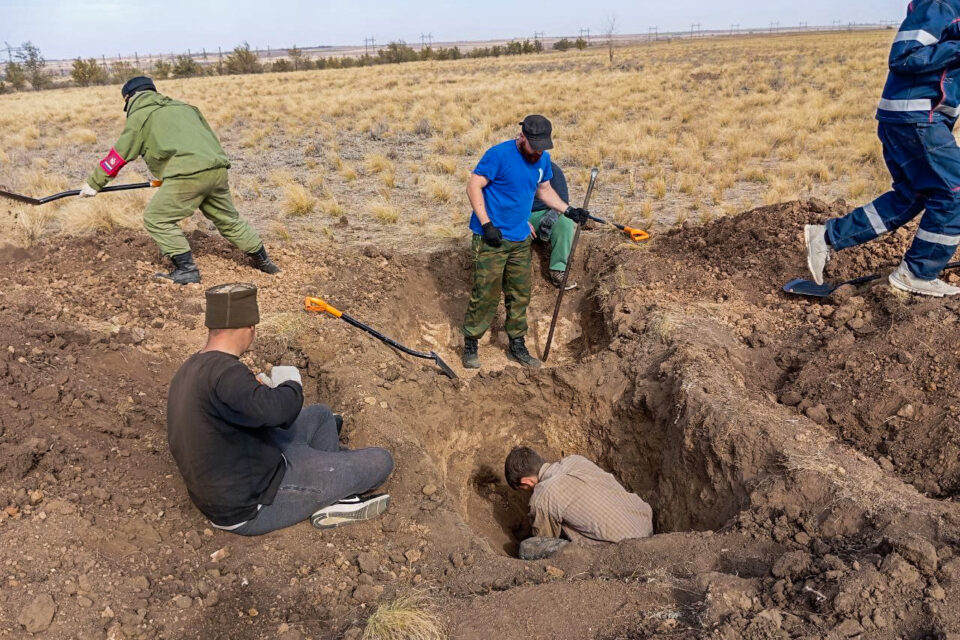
919, 107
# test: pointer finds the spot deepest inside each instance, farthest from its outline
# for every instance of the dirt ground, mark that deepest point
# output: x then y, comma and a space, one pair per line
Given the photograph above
800, 455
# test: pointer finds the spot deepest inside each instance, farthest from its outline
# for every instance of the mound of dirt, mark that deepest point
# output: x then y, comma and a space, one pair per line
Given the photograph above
777, 440
873, 366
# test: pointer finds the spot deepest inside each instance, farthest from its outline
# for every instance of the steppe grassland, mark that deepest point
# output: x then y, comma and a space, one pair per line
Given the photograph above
683, 130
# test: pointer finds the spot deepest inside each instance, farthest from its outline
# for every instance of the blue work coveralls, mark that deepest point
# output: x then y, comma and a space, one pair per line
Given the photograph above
916, 117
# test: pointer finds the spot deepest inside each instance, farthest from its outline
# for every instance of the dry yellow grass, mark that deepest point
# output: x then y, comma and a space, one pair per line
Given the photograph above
406, 617
332, 207
379, 163
437, 190
297, 200
82, 135
385, 212
708, 126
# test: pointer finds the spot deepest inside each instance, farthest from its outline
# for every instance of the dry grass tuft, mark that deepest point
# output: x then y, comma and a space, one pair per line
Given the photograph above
297, 201
280, 178
33, 223
82, 135
406, 617
286, 325
385, 212
105, 213
281, 233
437, 190
378, 163
442, 165
332, 207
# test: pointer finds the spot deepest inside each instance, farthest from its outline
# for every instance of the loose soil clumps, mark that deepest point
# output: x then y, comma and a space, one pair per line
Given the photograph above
800, 455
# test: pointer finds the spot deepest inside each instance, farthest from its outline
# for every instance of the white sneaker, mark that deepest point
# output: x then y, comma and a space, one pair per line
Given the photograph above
904, 280
818, 251
352, 509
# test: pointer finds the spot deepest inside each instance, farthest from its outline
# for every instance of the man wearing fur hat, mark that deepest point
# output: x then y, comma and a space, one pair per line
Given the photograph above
253, 459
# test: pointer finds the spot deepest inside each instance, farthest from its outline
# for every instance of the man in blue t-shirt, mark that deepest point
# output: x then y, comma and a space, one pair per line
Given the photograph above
501, 190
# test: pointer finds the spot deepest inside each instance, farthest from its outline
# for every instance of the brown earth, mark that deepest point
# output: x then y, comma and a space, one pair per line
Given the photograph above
800, 455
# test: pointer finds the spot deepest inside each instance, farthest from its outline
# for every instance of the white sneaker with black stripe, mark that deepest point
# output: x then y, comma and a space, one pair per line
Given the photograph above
352, 509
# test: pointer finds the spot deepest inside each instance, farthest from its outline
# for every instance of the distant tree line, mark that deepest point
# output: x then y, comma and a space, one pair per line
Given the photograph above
30, 66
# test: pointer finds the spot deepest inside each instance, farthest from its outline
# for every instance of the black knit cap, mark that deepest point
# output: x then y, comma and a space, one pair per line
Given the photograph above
138, 83
232, 306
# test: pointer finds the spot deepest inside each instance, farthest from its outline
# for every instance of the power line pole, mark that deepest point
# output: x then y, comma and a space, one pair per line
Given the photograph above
694, 29
653, 33
587, 32
774, 27
538, 35
369, 43
426, 39
735, 28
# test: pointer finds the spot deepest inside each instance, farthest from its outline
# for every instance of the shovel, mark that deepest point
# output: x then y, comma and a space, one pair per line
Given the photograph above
319, 306
810, 288
566, 272
75, 192
637, 235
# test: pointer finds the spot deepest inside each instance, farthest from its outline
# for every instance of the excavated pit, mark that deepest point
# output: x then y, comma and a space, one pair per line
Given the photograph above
587, 400
738, 413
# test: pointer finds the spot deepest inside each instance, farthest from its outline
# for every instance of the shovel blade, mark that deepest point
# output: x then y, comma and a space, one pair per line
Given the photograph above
18, 197
444, 367
809, 288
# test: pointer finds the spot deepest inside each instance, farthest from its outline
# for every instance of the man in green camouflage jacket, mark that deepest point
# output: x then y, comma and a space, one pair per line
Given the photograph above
180, 148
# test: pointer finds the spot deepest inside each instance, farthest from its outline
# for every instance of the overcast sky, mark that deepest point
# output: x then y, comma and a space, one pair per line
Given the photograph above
70, 28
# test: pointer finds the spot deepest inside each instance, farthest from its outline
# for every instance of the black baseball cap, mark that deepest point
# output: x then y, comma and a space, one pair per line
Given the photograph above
537, 130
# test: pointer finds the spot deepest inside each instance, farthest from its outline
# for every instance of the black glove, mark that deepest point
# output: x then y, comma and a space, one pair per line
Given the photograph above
492, 235
578, 215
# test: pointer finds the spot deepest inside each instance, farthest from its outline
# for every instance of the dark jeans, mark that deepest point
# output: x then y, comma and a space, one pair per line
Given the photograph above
319, 472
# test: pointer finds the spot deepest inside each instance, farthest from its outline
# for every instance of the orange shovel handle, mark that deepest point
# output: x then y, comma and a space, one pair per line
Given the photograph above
637, 235
318, 305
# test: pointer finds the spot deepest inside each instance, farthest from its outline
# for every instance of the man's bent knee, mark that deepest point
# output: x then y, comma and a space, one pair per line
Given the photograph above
316, 412
381, 462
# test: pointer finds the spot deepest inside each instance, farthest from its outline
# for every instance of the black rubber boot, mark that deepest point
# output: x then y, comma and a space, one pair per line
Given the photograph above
263, 262
184, 270
518, 353
470, 359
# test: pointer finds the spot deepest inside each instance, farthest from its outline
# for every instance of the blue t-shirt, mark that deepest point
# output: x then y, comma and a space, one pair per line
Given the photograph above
513, 185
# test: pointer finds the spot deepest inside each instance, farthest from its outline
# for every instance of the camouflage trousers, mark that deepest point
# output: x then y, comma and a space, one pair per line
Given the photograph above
506, 267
